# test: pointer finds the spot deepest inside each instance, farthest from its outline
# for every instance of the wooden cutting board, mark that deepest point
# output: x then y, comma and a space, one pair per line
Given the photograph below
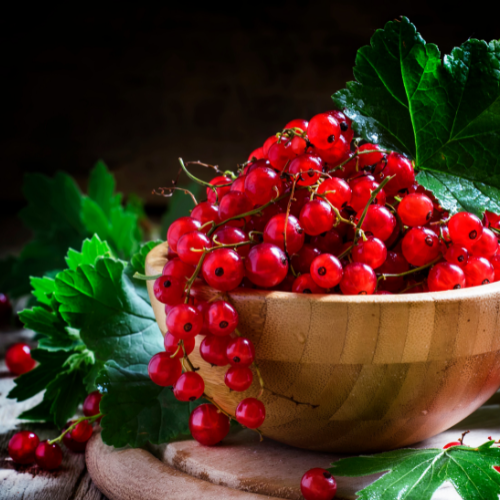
242, 467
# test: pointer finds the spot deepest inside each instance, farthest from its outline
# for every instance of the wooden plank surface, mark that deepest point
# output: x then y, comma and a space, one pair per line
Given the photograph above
70, 482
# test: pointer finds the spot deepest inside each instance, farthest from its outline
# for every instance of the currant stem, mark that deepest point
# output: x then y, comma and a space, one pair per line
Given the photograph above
143, 277
357, 153
163, 191
411, 271
288, 207
337, 212
72, 426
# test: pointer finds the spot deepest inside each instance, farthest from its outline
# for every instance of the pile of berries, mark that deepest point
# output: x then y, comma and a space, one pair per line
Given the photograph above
314, 210
25, 447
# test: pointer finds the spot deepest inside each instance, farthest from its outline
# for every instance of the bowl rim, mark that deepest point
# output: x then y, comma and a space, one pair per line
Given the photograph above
159, 255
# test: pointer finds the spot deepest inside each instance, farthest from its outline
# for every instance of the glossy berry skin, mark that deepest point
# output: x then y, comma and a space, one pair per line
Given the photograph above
337, 191
240, 352
82, 432
164, 370
222, 318
169, 290
213, 350
70, 443
251, 413
256, 154
358, 279
205, 212
184, 321
415, 209
91, 404
445, 276
486, 246
212, 197
229, 234
223, 269
238, 379
455, 254
22, 446
307, 168
318, 484
259, 221
208, 425
338, 152
479, 271
298, 123
178, 269
465, 229
189, 387
326, 271
302, 261
305, 284
48, 456
398, 166
329, 242
362, 189
203, 306
495, 262
420, 246
280, 154
268, 143
275, 233
371, 252
266, 265
452, 444
366, 159
190, 247
298, 145
263, 185
239, 184
232, 205
179, 228
316, 217
323, 130
395, 263
378, 221
18, 359
171, 344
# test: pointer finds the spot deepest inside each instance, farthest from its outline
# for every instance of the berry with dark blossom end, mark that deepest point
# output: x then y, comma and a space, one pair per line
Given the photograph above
465, 229
82, 431
191, 245
208, 425
172, 346
420, 246
164, 370
378, 221
240, 352
251, 413
445, 276
169, 290
238, 379
316, 217
305, 284
415, 209
48, 456
184, 321
307, 168
318, 484
455, 254
22, 446
337, 191
266, 265
323, 130
229, 234
398, 167
275, 233
189, 387
212, 197
326, 271
486, 246
479, 271
222, 318
336, 154
179, 228
91, 404
18, 359
223, 269
213, 350
358, 279
371, 252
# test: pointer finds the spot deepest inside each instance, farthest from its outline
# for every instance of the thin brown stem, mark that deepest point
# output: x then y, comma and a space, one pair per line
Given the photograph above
411, 271
168, 192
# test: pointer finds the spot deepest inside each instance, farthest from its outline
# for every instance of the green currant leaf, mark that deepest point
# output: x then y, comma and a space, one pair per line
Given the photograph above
442, 112
102, 188
138, 260
91, 250
43, 289
417, 474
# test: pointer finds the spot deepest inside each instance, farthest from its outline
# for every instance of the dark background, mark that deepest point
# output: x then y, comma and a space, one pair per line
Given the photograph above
140, 86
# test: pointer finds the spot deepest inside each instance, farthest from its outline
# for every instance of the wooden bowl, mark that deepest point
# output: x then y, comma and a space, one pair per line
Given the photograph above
375, 372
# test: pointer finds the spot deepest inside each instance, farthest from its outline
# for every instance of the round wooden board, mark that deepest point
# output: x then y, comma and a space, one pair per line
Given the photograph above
243, 468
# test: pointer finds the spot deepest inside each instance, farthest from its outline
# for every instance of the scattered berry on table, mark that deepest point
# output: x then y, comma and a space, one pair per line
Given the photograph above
18, 359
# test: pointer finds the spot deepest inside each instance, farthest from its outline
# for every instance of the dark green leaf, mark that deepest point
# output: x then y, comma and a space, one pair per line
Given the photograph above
43, 289
39, 413
102, 188
91, 251
138, 260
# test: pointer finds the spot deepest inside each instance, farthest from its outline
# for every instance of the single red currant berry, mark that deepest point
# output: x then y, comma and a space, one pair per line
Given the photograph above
465, 229
206, 212
280, 153
298, 145
240, 352
18, 359
203, 306
263, 185
358, 279
222, 318
302, 260
213, 350
70, 443
239, 184
307, 167
268, 143
208, 425
366, 159
258, 222
82, 432
256, 154
323, 130
478, 271
316, 217
190, 247
48, 456
172, 345
495, 262
362, 189
395, 263
22, 446
415, 209
445, 276
398, 167
457, 255
164, 370
169, 290
223, 269
339, 152
221, 191
179, 228
371, 252
275, 233
91, 404
329, 242
298, 123
420, 246
184, 321
189, 387
229, 234
318, 484
326, 270
178, 269
337, 192
238, 379
232, 206
486, 246
266, 265
452, 444
378, 221
300, 198
305, 284
251, 413
345, 125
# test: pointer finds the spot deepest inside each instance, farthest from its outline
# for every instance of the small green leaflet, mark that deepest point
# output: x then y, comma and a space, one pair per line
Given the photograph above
91, 250
443, 113
417, 474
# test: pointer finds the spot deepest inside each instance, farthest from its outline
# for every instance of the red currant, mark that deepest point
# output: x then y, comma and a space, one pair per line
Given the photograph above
91, 404
318, 484
70, 443
251, 413
205, 212
178, 269
223, 269
420, 246
229, 234
358, 279
259, 221
455, 254
22, 446
213, 350
239, 184
238, 379
316, 217
191, 245
395, 263
266, 265
275, 233
398, 166
189, 387
164, 370
169, 290
82, 431
184, 321
445, 276
307, 167
337, 153
172, 343
465, 229
256, 154
208, 425
179, 228
323, 130
326, 271
298, 123
302, 261
222, 318
221, 191
263, 185
48, 456
305, 284
478, 271
240, 352
486, 246
378, 221
337, 192
362, 189
371, 252
280, 153
329, 242
268, 143
18, 359
415, 209
366, 159
495, 262
452, 444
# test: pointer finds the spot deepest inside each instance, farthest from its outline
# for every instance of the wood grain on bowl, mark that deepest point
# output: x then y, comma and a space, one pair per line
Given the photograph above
365, 373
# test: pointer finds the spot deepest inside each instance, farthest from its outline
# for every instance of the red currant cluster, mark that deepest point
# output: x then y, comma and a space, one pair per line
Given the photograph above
25, 446
312, 211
